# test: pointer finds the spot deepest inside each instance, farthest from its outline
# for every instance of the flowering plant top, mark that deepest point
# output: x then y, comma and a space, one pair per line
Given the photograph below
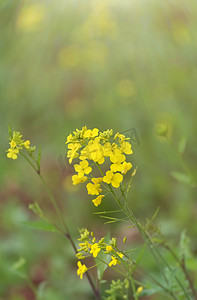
93, 147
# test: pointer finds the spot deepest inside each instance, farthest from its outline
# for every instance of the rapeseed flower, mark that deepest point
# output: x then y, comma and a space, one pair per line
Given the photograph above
76, 179
95, 249
82, 168
17, 144
93, 188
93, 147
98, 200
81, 269
114, 179
12, 153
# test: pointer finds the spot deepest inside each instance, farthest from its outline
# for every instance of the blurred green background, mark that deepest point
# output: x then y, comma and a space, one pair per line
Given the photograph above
107, 64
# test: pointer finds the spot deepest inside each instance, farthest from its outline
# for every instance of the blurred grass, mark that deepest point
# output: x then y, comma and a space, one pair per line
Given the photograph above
104, 64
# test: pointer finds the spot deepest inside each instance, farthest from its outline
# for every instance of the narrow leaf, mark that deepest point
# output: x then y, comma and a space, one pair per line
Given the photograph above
41, 225
182, 177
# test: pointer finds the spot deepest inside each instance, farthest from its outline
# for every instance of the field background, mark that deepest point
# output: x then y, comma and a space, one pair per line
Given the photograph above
106, 64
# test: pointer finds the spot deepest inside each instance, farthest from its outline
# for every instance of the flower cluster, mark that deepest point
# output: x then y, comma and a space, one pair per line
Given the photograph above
90, 247
93, 147
17, 144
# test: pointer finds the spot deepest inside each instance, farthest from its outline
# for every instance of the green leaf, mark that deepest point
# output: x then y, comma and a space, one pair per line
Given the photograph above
41, 225
182, 145
184, 246
182, 177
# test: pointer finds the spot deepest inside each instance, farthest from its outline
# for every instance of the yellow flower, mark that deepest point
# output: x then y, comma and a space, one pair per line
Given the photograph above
107, 148
114, 261
98, 200
81, 269
26, 144
12, 144
126, 148
97, 180
96, 152
12, 153
109, 248
139, 289
93, 189
126, 167
77, 180
69, 139
71, 154
117, 157
91, 133
120, 136
117, 168
82, 168
120, 254
95, 249
114, 179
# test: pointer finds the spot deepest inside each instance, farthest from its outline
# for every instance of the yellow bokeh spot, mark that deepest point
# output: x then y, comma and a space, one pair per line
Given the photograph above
126, 88
69, 56
181, 34
31, 17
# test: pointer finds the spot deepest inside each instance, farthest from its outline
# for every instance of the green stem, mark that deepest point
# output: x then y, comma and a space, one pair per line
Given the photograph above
155, 252
65, 231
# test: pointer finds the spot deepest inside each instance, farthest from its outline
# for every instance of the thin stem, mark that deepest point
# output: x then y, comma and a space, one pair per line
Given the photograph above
66, 233
182, 266
146, 237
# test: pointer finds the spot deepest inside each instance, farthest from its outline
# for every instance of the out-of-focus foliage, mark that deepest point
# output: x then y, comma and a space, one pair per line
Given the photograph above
106, 64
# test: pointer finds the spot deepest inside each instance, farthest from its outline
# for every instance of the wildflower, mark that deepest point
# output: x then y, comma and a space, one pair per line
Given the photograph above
126, 167
16, 144
117, 157
82, 168
12, 153
26, 144
12, 144
139, 290
97, 180
114, 179
120, 254
77, 180
96, 152
69, 138
109, 248
107, 148
120, 136
81, 269
91, 133
72, 153
113, 261
95, 249
93, 189
84, 246
126, 148
98, 200
84, 234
